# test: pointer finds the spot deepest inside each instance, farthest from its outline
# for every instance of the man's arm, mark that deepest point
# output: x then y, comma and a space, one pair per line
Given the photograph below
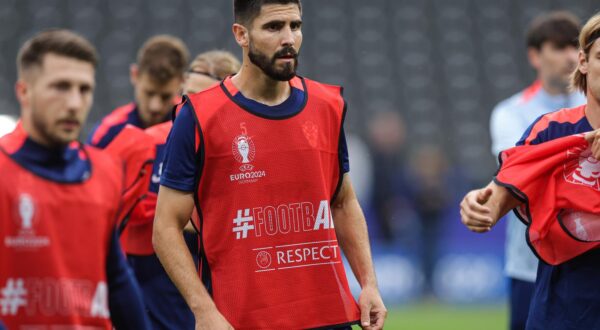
351, 231
505, 128
481, 209
173, 212
124, 296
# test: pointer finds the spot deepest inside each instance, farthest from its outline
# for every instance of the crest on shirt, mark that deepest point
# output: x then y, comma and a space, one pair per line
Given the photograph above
582, 168
311, 132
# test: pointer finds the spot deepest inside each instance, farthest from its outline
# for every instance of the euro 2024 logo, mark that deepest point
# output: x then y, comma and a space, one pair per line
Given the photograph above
26, 220
243, 149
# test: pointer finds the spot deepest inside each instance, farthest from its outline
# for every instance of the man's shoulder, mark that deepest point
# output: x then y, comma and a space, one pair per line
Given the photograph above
511, 104
565, 115
312, 85
326, 93
107, 170
215, 88
210, 100
111, 125
118, 115
556, 124
160, 132
519, 100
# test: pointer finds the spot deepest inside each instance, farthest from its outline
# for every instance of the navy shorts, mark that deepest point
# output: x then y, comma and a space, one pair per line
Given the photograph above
520, 299
164, 304
567, 296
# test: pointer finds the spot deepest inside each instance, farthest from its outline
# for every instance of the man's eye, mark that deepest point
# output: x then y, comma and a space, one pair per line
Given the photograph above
62, 86
274, 27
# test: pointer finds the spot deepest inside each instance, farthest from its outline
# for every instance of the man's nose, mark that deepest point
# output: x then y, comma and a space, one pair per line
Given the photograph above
74, 99
287, 38
155, 104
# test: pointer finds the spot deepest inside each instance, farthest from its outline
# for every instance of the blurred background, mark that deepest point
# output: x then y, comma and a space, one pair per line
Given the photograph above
421, 78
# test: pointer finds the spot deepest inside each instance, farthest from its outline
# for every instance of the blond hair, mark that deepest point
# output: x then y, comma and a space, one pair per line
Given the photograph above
217, 63
589, 34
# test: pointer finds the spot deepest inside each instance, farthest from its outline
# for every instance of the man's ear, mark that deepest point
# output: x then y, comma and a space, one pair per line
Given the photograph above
134, 73
22, 91
240, 33
533, 55
583, 63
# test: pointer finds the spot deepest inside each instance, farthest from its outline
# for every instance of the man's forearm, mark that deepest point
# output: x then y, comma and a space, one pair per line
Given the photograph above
351, 230
175, 257
124, 297
501, 201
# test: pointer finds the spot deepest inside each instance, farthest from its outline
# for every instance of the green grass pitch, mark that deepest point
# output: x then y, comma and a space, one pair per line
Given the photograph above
432, 316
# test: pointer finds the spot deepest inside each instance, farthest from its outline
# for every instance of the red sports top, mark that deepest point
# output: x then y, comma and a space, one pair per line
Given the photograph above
139, 230
55, 240
135, 149
558, 183
264, 197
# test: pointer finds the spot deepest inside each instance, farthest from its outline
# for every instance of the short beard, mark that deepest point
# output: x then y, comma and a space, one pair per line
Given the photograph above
44, 132
268, 66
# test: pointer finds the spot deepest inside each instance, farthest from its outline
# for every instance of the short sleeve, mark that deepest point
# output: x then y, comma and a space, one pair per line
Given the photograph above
535, 134
180, 166
343, 152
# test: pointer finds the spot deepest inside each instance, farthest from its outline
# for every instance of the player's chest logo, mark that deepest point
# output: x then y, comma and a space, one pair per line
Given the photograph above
244, 153
311, 133
26, 219
582, 168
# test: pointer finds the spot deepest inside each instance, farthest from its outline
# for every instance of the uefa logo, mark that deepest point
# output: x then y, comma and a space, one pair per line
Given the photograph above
263, 259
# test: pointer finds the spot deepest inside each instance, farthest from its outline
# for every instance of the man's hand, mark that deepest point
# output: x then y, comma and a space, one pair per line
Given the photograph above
593, 138
372, 309
474, 214
210, 319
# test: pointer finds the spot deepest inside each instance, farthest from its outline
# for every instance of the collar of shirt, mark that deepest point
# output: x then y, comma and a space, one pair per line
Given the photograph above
559, 101
68, 164
293, 104
134, 118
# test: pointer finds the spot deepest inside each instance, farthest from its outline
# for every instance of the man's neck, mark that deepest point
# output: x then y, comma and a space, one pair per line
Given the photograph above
254, 84
38, 138
592, 110
553, 89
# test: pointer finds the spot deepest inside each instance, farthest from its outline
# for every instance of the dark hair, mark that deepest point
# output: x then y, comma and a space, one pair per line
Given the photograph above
163, 58
245, 11
57, 41
559, 27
